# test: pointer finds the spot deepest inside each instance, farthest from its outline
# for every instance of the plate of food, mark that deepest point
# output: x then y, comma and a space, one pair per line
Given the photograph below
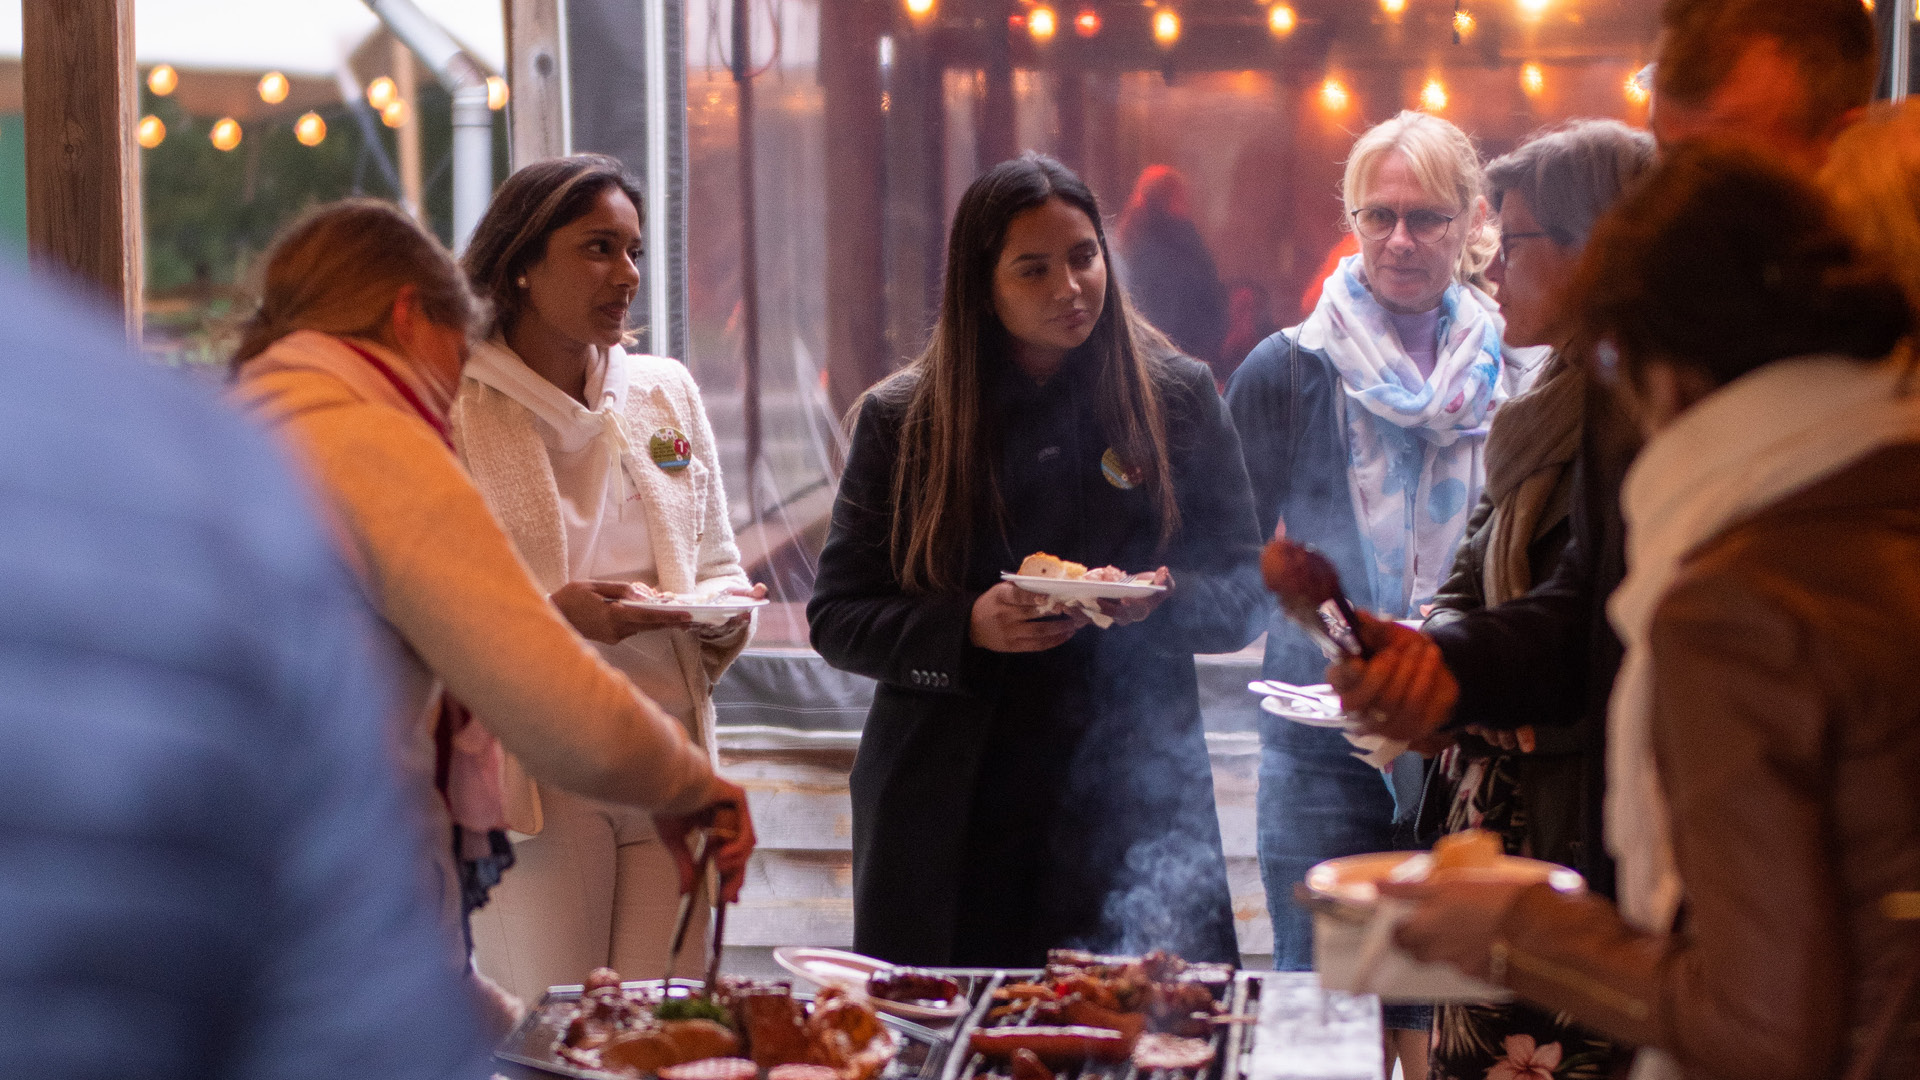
1063, 579
1314, 706
1353, 925
915, 993
710, 609
609, 1030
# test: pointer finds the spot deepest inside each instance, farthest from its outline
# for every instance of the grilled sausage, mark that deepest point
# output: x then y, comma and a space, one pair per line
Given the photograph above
911, 984
1055, 1045
1028, 1066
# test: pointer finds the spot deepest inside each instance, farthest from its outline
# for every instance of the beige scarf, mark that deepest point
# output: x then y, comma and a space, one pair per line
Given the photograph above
1750, 444
1530, 454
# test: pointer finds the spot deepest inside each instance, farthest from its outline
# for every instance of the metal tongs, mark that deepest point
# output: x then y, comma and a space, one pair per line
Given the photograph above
703, 849
1310, 594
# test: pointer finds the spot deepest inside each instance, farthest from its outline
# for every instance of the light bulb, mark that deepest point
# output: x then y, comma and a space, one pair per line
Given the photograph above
1166, 27
1087, 23
1463, 22
225, 134
310, 129
151, 132
274, 87
1533, 79
919, 9
1533, 9
1393, 7
1433, 96
162, 79
1281, 19
395, 114
1636, 90
497, 93
1042, 23
381, 92
1333, 95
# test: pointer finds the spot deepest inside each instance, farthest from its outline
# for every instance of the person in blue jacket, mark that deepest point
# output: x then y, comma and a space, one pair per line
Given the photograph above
1025, 780
1363, 429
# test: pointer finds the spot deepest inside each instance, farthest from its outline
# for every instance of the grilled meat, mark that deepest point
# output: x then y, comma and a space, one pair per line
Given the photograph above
912, 984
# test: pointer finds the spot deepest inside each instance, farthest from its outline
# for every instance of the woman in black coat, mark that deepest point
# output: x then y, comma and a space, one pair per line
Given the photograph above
1025, 780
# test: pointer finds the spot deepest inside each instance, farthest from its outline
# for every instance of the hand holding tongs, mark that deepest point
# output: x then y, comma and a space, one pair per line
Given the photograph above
709, 840
1310, 594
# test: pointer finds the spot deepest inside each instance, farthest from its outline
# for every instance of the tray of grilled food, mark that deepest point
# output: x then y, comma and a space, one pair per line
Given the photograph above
746, 1029
1090, 1017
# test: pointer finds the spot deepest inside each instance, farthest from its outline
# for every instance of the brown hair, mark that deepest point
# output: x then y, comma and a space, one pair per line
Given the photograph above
529, 207
1873, 178
337, 269
946, 474
1831, 42
1722, 261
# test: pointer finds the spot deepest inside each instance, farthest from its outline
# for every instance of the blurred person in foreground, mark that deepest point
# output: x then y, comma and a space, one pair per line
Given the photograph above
1172, 278
1364, 431
354, 355
1762, 805
600, 464
1533, 791
1781, 76
212, 866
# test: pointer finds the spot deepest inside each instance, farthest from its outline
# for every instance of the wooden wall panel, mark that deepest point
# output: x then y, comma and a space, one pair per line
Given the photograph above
83, 180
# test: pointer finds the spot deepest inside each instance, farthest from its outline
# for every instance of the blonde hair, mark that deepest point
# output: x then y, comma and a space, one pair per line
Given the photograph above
1872, 177
338, 268
1447, 166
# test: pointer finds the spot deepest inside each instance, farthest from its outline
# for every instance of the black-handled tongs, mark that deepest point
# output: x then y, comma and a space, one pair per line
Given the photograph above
702, 856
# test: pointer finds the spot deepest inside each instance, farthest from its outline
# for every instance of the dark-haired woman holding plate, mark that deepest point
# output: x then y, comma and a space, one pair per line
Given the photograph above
1026, 780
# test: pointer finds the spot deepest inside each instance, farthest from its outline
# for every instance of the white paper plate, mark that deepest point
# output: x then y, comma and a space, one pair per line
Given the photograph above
706, 613
1314, 706
1082, 589
1355, 879
850, 971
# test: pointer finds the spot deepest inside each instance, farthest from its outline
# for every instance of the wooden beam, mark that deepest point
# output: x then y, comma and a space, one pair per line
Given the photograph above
83, 178
855, 150
538, 120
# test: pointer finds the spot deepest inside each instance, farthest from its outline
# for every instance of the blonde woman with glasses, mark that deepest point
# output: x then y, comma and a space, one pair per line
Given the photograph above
1363, 429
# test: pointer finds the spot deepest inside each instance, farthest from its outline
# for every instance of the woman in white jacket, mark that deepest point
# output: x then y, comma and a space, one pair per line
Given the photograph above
353, 357
601, 465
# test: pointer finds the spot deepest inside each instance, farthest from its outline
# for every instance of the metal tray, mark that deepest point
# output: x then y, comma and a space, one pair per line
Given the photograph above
963, 1064
922, 1049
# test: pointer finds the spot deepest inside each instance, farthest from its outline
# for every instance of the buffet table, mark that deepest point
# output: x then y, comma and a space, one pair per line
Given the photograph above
1301, 1033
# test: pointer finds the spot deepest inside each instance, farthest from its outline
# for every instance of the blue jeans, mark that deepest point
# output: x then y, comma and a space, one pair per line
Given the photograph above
1317, 802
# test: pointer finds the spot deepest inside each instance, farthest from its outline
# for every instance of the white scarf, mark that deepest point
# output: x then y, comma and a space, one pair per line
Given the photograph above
1750, 444
1414, 443
311, 350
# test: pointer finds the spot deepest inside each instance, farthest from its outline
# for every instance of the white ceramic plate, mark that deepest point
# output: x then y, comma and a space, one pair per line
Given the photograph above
707, 613
1355, 879
1314, 706
1082, 589
850, 971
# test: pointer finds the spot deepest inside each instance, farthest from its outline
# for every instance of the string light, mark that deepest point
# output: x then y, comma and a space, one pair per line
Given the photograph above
274, 87
310, 129
1166, 27
225, 134
395, 114
151, 132
1462, 23
1393, 7
1533, 9
1433, 96
497, 93
162, 79
381, 93
919, 9
1087, 23
1281, 19
1533, 79
1042, 23
1636, 90
1334, 96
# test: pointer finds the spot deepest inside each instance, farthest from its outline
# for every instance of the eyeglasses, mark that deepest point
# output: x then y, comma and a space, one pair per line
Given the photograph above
1425, 226
1508, 240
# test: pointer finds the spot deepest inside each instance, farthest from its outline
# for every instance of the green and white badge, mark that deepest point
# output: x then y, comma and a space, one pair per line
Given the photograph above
670, 449
1116, 471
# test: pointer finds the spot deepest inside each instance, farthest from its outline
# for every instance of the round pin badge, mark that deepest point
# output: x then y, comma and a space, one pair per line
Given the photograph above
670, 450
1117, 472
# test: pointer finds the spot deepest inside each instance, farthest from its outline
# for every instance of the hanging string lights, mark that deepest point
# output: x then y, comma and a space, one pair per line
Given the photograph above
1533, 79
1333, 96
151, 132
919, 10
310, 129
274, 88
225, 134
395, 114
162, 79
1087, 23
1433, 96
381, 93
1042, 24
1166, 27
1281, 19
497, 93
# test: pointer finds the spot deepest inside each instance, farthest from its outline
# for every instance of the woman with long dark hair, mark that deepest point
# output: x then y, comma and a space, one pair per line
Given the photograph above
1027, 781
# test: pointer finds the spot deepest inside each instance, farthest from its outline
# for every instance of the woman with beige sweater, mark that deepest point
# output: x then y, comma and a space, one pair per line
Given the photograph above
354, 356
601, 466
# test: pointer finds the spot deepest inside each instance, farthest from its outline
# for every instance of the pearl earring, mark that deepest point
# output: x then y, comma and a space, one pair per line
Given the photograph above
522, 282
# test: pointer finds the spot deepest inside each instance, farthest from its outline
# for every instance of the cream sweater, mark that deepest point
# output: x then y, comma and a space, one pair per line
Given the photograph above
686, 510
465, 610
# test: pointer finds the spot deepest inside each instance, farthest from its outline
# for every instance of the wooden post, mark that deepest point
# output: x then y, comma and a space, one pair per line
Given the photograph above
83, 167
538, 119
855, 137
406, 82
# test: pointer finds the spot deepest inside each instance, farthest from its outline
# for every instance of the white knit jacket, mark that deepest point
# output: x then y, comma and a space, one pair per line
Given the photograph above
687, 519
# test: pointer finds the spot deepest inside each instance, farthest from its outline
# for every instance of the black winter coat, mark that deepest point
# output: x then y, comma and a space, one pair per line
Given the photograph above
1005, 804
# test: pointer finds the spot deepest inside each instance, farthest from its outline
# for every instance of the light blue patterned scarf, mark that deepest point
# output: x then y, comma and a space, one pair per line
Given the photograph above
1415, 445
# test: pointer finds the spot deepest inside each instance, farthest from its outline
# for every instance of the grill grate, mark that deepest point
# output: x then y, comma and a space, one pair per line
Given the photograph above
964, 1064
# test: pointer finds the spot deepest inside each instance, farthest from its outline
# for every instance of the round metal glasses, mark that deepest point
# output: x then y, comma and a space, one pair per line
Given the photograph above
1425, 226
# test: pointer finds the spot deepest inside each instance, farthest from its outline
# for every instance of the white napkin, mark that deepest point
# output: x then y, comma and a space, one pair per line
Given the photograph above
1376, 750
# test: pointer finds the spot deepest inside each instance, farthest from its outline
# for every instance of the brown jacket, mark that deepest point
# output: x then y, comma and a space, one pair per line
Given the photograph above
1787, 731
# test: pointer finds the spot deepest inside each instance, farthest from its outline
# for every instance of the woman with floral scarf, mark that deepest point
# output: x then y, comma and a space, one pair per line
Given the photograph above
1364, 431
